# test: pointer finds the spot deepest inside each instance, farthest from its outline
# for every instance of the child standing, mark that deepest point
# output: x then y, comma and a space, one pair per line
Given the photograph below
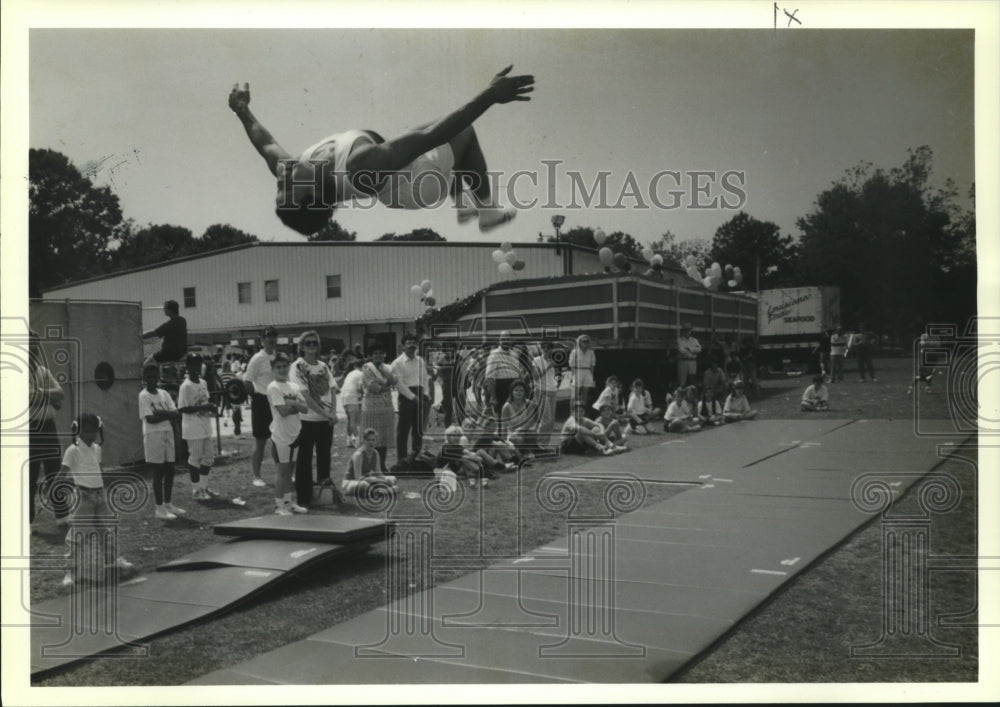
157, 411
350, 397
286, 403
82, 462
737, 406
816, 397
196, 428
364, 468
640, 408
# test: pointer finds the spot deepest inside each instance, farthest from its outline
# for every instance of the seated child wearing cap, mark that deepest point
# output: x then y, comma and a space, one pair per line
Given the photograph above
816, 397
582, 435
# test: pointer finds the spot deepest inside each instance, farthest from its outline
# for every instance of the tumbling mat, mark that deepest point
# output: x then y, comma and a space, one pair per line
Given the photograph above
314, 528
93, 621
769, 500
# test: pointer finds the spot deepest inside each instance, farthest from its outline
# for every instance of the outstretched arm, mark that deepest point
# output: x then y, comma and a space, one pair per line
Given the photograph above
269, 149
395, 154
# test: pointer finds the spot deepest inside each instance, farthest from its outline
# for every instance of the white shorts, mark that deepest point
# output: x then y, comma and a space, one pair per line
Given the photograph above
201, 452
283, 453
158, 446
422, 184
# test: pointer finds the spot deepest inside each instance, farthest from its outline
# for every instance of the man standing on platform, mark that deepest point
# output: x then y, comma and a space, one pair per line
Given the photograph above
688, 349
256, 379
413, 384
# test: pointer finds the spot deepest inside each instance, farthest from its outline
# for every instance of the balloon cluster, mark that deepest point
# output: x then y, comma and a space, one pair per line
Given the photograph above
507, 260
425, 292
714, 275
607, 256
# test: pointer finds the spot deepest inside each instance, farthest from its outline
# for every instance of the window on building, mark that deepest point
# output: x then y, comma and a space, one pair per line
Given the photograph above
332, 286
189, 298
244, 292
270, 290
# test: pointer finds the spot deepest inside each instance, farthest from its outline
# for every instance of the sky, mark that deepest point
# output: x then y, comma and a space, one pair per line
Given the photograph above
785, 113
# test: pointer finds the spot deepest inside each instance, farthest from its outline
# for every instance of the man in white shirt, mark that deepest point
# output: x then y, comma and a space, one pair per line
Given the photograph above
256, 379
413, 384
502, 369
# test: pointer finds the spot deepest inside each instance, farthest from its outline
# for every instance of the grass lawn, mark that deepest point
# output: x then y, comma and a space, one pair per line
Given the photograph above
802, 634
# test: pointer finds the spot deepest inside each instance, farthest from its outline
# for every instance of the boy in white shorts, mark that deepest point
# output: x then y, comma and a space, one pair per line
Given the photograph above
157, 411
196, 428
286, 403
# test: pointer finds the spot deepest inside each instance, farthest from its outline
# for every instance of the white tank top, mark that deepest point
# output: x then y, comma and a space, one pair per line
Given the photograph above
343, 144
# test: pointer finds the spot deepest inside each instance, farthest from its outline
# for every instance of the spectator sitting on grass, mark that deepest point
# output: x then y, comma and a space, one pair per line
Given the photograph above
582, 435
489, 447
682, 415
611, 395
640, 408
737, 406
463, 462
518, 419
616, 433
709, 409
364, 468
817, 396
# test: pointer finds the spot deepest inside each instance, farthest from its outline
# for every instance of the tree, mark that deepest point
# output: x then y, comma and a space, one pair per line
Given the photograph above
70, 222
417, 234
745, 242
618, 241
675, 252
333, 231
901, 251
152, 245
220, 236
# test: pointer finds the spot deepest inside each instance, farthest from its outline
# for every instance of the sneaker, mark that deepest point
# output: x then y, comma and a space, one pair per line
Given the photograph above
212, 493
164, 514
493, 216
200, 495
67, 581
510, 467
259, 482
472, 483
640, 430
620, 448
123, 564
296, 508
174, 509
608, 451
282, 510
486, 483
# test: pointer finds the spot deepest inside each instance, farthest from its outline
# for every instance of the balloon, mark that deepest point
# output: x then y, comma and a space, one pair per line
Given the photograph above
425, 286
620, 260
606, 256
429, 294
729, 268
416, 290
647, 253
657, 260
498, 256
506, 247
716, 267
732, 283
430, 301
519, 265
693, 273
511, 257
600, 236
707, 282
505, 268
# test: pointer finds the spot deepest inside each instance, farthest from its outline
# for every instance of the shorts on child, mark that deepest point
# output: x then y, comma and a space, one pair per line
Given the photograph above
571, 445
284, 453
158, 446
201, 452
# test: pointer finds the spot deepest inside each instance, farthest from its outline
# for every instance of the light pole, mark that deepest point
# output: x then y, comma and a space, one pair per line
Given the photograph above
557, 222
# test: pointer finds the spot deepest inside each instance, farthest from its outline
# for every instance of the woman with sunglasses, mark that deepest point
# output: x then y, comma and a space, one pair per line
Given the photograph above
315, 380
377, 412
